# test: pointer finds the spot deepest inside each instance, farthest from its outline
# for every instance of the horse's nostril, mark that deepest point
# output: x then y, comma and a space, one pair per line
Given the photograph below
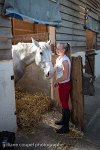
47, 75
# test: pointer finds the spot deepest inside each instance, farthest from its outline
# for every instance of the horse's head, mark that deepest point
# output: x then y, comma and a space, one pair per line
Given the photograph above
43, 56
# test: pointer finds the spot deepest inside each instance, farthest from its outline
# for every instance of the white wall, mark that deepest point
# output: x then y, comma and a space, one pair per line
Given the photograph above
7, 97
97, 61
82, 54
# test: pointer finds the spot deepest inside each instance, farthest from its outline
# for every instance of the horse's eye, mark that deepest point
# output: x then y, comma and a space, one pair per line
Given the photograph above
41, 53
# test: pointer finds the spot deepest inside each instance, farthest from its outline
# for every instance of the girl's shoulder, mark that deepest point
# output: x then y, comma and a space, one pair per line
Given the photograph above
66, 58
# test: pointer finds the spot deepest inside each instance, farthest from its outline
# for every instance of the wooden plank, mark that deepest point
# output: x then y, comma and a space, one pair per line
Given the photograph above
70, 31
98, 47
93, 3
39, 28
5, 32
77, 98
19, 24
27, 38
84, 1
73, 43
64, 22
79, 3
55, 91
74, 6
90, 44
98, 43
98, 35
5, 22
72, 18
72, 25
70, 37
98, 1
77, 14
90, 40
71, 12
22, 27
21, 32
5, 43
93, 13
52, 38
75, 48
5, 54
90, 63
98, 40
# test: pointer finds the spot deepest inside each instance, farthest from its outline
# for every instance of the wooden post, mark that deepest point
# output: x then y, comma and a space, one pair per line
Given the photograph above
90, 62
77, 98
52, 36
54, 91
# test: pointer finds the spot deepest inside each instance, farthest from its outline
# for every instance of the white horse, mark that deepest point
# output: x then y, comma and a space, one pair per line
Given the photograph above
25, 54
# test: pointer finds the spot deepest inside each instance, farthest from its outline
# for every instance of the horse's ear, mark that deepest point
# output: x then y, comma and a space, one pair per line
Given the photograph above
35, 42
49, 42
32, 39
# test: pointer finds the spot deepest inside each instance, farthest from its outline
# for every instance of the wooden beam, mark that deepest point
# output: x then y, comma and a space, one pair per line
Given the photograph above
77, 98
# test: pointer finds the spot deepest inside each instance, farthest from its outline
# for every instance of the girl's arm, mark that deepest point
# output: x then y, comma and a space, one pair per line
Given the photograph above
65, 73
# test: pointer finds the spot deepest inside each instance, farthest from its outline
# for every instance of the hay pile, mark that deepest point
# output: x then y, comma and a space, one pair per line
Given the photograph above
30, 107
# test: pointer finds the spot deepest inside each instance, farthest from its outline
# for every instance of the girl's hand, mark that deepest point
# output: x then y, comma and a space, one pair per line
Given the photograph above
55, 84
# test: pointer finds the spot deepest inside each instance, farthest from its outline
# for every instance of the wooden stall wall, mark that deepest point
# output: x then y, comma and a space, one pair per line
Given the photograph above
93, 7
91, 45
23, 31
72, 31
73, 17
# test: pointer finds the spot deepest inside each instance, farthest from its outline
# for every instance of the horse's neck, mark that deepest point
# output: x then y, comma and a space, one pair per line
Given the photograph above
27, 55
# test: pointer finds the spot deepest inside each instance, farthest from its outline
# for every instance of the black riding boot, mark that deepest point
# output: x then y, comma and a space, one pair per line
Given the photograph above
65, 126
61, 121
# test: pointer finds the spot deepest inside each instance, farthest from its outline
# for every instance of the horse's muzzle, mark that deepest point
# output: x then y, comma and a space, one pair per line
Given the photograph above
47, 75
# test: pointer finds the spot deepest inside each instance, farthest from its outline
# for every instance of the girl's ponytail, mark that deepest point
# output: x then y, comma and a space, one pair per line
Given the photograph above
67, 50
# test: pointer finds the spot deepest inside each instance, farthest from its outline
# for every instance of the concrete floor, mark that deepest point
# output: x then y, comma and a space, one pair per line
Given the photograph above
44, 132
92, 115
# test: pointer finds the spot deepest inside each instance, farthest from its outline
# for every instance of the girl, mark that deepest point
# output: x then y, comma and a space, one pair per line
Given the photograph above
63, 70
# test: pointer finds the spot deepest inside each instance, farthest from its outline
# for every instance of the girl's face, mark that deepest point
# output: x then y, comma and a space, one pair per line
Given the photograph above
60, 50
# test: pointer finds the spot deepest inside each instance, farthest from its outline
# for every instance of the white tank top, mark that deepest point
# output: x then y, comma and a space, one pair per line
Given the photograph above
59, 67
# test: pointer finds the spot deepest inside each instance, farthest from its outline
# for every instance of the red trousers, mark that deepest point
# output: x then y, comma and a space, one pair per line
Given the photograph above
64, 91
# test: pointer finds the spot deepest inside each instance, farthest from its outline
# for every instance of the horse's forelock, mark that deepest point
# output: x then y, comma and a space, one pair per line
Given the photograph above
44, 46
